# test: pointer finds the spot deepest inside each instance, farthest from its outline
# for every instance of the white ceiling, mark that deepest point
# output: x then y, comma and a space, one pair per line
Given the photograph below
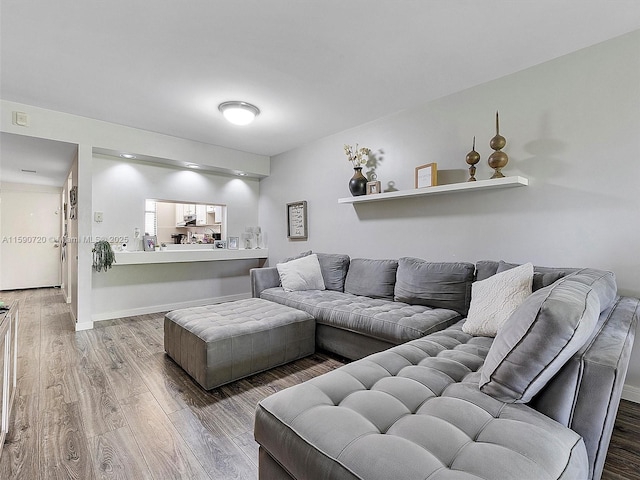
35, 161
313, 67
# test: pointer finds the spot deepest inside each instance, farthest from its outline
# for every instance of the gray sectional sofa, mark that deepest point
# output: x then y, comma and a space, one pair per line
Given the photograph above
426, 400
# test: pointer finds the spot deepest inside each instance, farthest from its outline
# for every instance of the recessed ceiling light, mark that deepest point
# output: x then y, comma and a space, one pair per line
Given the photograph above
239, 113
242, 174
192, 165
127, 155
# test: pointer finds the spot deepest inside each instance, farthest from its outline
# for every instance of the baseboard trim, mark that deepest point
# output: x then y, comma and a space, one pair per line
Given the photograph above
166, 307
631, 393
84, 326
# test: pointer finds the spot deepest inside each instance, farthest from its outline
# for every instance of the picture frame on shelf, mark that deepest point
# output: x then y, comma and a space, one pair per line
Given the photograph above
219, 244
426, 175
373, 187
297, 220
233, 243
149, 243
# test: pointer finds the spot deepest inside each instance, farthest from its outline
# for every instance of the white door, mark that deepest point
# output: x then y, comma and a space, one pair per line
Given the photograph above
29, 239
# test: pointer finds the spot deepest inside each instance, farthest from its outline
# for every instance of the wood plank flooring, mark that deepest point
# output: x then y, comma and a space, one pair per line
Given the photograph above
108, 403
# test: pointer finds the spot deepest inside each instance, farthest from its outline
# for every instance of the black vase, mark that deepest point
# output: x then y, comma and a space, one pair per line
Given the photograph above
358, 183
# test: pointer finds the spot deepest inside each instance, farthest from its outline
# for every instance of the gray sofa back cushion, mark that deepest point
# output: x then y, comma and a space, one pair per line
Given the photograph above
437, 285
543, 333
542, 276
334, 268
371, 278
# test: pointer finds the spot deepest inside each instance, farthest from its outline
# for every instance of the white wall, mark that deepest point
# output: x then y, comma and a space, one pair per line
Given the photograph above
90, 134
571, 127
119, 191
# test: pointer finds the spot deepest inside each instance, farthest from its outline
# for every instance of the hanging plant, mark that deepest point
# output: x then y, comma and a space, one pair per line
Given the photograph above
103, 256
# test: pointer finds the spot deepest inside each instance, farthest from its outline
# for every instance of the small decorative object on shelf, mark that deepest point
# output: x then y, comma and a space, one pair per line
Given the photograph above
373, 186
358, 157
426, 175
472, 158
498, 160
358, 183
149, 243
251, 238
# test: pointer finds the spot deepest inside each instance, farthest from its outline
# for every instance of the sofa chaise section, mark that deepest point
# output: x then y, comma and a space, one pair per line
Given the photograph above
537, 402
412, 412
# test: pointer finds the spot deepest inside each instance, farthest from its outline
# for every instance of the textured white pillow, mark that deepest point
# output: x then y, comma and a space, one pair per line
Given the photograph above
301, 274
494, 300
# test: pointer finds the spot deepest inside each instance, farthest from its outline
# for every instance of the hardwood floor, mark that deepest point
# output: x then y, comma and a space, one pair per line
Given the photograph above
108, 403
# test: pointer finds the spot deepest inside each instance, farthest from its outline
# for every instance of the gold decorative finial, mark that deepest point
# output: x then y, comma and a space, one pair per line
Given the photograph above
472, 158
498, 160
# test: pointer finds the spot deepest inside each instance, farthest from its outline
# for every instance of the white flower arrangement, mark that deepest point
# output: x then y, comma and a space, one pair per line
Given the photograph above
357, 156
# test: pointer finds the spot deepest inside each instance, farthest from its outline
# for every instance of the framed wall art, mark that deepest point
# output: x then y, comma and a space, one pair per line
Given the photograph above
426, 175
297, 220
233, 243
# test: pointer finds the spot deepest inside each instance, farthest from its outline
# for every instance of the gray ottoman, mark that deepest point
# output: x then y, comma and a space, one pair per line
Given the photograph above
220, 343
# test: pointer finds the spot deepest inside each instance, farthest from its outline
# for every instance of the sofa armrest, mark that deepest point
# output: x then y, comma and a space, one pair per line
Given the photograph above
263, 278
585, 394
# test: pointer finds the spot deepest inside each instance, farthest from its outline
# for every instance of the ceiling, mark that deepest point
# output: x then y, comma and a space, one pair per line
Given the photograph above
35, 161
313, 67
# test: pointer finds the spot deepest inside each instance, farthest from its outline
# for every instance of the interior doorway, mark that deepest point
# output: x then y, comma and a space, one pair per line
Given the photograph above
30, 224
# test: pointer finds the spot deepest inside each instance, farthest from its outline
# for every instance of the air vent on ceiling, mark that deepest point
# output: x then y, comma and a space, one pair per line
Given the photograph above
28, 171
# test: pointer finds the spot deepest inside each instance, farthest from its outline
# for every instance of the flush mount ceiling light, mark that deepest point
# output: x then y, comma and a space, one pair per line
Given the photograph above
239, 113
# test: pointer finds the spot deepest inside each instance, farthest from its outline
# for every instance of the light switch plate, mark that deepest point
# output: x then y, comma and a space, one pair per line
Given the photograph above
21, 119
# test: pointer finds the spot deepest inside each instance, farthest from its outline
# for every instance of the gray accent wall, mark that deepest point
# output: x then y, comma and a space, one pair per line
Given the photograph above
573, 129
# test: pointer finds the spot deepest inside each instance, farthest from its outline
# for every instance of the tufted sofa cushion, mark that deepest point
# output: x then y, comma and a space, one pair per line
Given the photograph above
393, 322
413, 412
223, 342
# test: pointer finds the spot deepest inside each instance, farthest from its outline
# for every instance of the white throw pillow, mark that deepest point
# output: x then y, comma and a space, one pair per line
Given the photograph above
494, 300
301, 274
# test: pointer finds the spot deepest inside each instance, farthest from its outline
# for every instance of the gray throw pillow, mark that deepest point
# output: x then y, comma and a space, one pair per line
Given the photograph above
543, 333
334, 269
371, 278
295, 257
487, 268
541, 279
437, 285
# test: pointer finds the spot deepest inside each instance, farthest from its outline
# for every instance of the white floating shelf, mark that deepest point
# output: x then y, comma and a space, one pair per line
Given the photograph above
191, 255
506, 182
